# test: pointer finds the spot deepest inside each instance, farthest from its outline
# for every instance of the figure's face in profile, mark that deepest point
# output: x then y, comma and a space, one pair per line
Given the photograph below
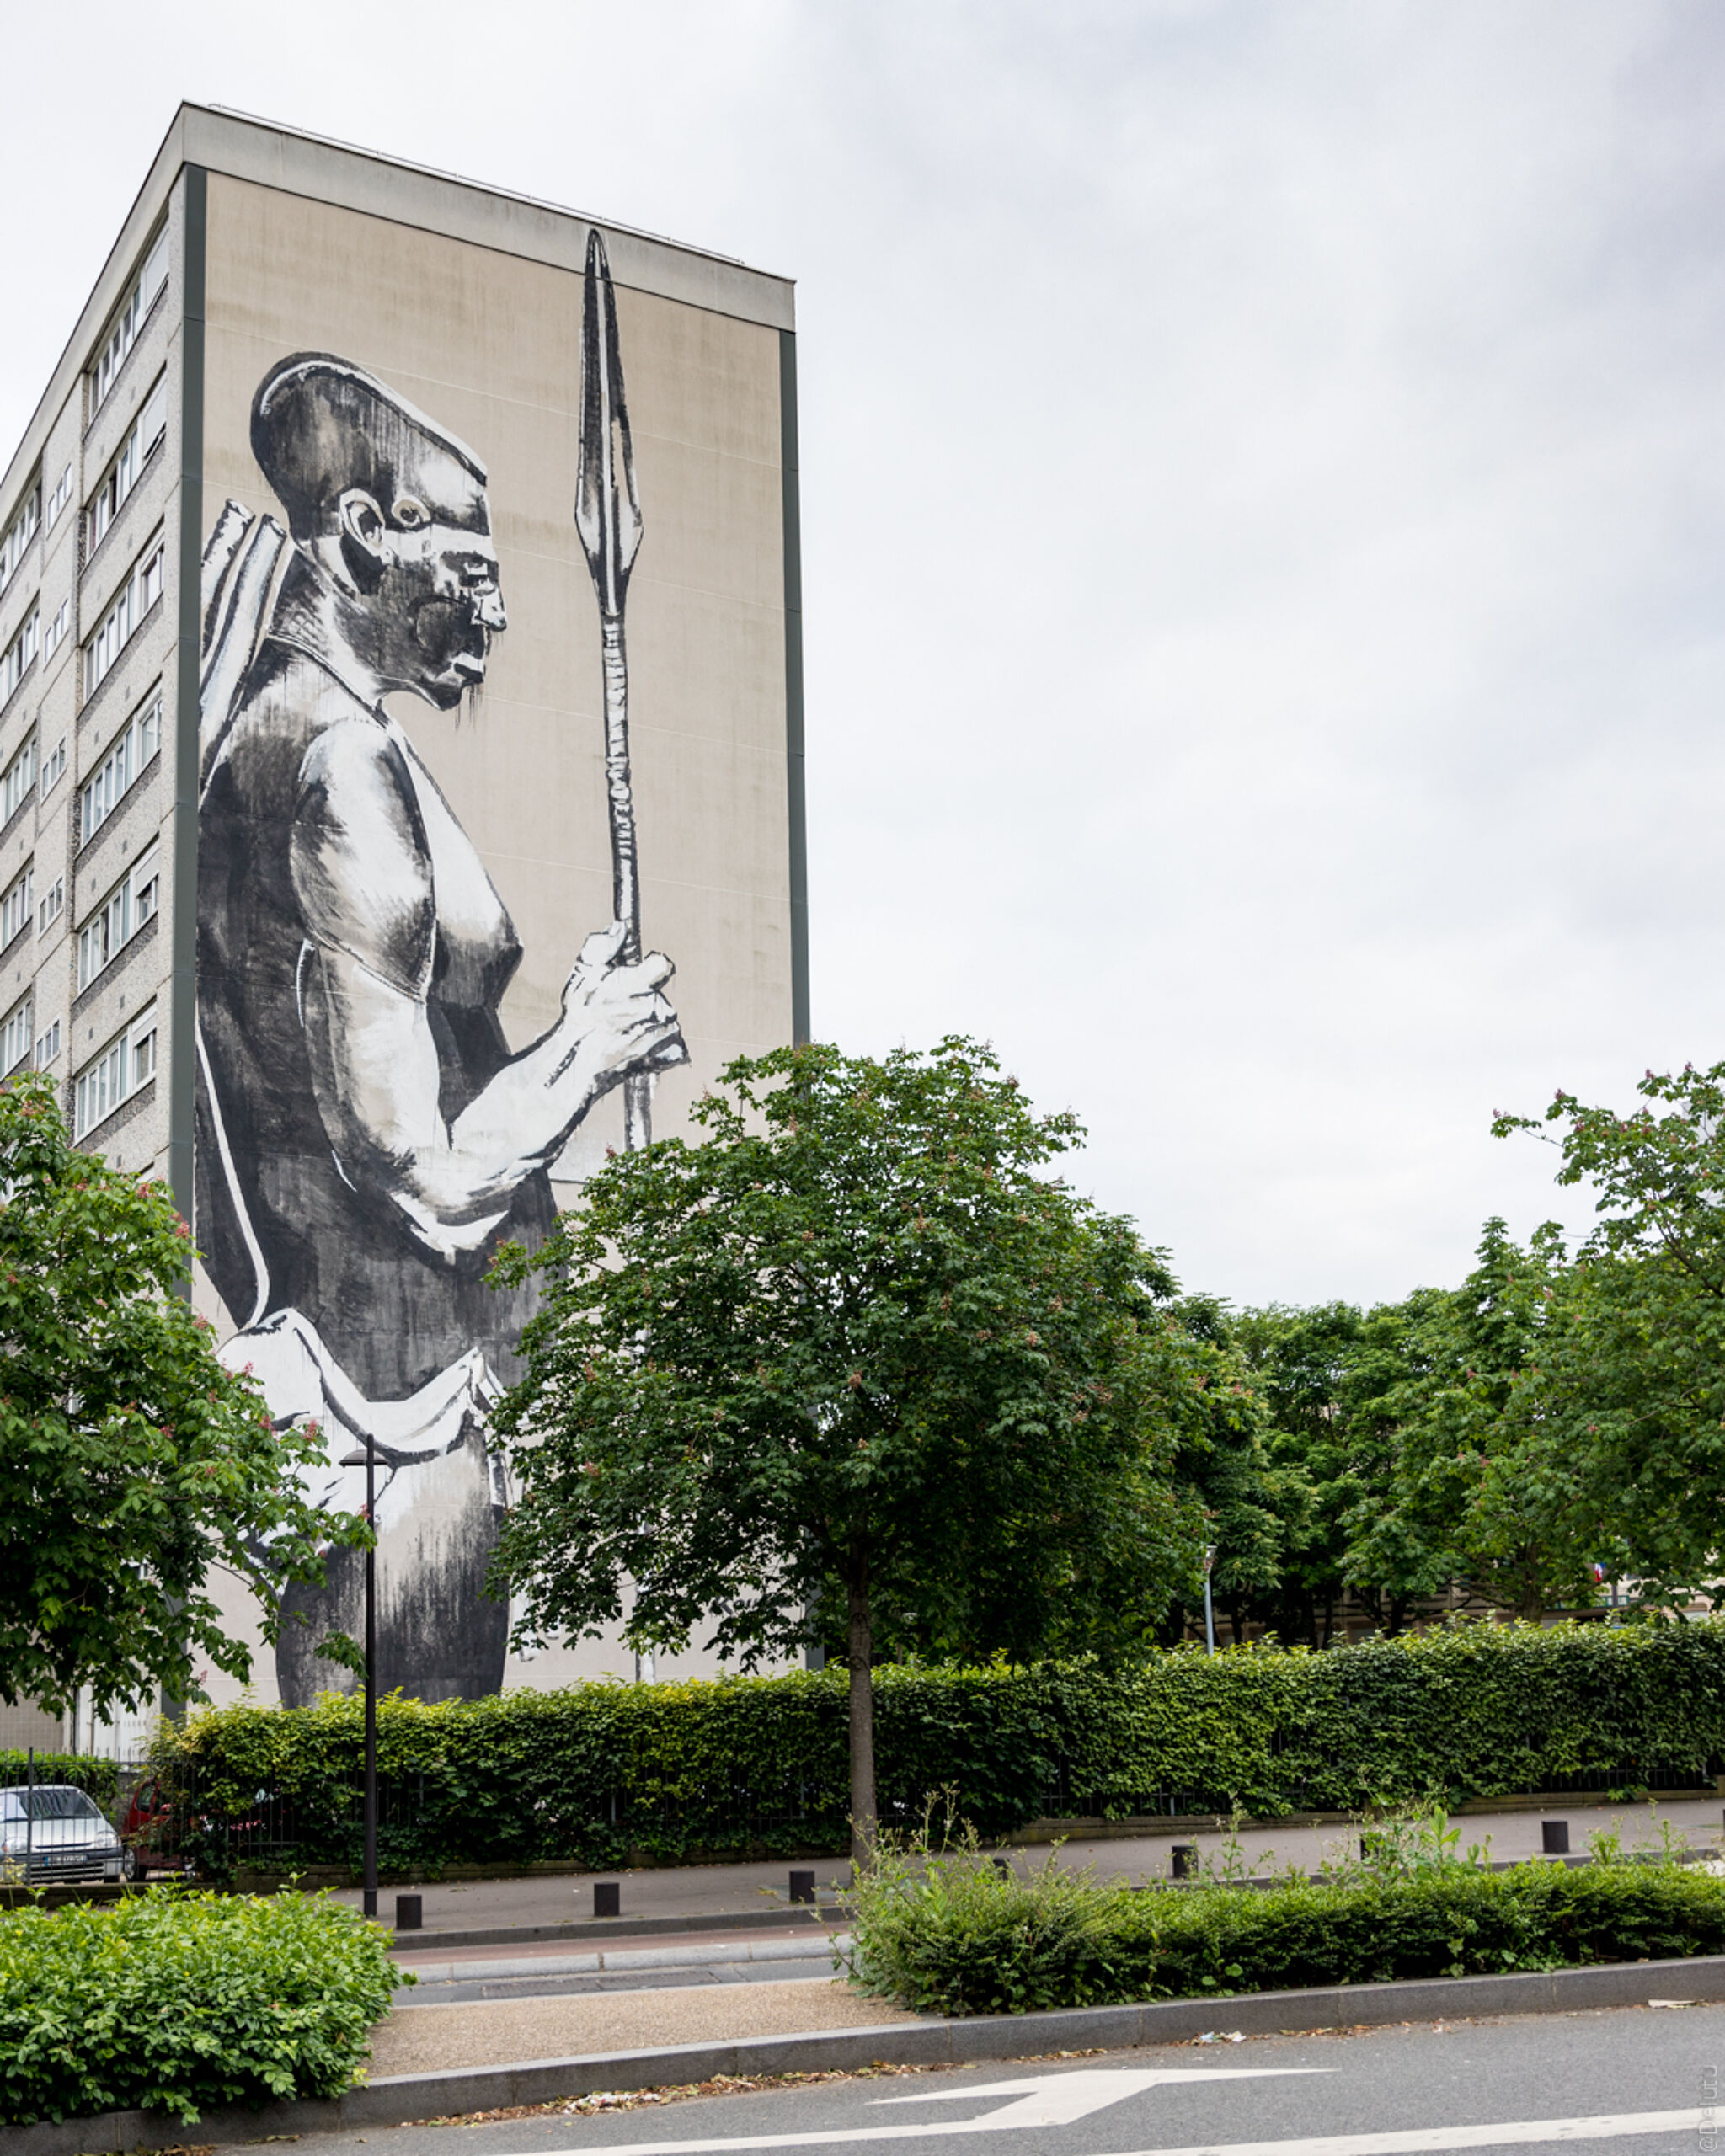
436, 601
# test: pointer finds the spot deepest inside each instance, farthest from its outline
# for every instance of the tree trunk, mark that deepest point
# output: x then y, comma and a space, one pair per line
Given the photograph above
860, 1657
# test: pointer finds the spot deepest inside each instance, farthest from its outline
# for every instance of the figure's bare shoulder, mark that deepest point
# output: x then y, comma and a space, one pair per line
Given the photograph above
361, 867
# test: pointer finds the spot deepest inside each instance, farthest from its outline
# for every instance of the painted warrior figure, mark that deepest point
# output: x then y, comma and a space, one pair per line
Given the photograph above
367, 1136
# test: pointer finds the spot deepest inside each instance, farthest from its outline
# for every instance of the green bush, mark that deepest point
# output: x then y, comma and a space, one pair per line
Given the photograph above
584, 1775
956, 1938
175, 2003
99, 1777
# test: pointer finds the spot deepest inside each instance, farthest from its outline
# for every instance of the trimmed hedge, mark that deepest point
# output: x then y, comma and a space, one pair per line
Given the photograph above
960, 1939
99, 1777
584, 1776
176, 2003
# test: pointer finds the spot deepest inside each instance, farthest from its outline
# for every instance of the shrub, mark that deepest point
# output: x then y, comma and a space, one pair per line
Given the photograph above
584, 1775
952, 1936
175, 2003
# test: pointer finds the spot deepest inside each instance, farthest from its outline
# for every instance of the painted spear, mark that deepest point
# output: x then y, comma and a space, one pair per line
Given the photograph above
608, 518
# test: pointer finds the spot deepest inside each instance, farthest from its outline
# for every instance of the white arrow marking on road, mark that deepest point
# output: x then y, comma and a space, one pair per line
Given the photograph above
1419, 2140
1043, 2104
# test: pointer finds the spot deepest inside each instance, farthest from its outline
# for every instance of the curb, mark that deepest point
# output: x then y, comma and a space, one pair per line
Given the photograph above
803, 1916
401, 2098
641, 1957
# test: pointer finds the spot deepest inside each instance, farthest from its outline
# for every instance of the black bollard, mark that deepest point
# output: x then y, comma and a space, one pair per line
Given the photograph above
1003, 1867
607, 1898
1185, 1859
1554, 1837
409, 1911
802, 1886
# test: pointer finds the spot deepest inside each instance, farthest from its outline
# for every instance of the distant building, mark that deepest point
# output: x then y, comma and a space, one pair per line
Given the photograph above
321, 616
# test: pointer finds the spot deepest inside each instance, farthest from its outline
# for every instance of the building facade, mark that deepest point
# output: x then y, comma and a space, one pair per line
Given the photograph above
400, 779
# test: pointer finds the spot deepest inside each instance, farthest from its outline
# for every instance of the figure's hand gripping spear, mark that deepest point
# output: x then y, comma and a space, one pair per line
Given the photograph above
608, 518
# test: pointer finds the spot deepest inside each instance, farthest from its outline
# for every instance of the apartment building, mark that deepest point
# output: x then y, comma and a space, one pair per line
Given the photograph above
326, 768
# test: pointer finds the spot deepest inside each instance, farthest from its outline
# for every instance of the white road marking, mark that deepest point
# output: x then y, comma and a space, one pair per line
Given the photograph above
1044, 2099
1516, 2133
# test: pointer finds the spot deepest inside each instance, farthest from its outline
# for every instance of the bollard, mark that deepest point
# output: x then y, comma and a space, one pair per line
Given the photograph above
1185, 1859
1003, 1867
607, 1898
1554, 1837
409, 1911
802, 1886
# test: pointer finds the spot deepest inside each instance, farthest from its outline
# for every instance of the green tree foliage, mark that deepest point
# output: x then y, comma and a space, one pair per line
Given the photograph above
133, 1463
856, 1348
1631, 1381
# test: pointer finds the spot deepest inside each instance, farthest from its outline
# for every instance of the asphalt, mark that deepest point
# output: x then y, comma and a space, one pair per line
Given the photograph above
1645, 2083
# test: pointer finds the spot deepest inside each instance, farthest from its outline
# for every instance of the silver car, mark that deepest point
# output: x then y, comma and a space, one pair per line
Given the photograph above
55, 1832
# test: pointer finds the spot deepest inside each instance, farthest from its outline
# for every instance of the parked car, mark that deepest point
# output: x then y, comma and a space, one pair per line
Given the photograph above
148, 1823
55, 1832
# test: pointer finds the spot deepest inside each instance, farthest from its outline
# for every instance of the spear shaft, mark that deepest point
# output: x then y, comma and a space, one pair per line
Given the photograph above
608, 518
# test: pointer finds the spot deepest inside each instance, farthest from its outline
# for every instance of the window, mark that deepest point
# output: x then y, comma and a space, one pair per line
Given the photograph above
124, 335
48, 1047
17, 907
118, 919
137, 742
54, 634
115, 1074
54, 768
15, 662
52, 906
58, 499
15, 1038
127, 468
19, 533
137, 595
20, 776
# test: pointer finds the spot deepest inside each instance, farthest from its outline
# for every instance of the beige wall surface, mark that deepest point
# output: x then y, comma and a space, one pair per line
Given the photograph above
489, 346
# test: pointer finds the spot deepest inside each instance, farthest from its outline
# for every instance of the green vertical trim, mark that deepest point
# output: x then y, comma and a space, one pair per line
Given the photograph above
182, 1003
792, 526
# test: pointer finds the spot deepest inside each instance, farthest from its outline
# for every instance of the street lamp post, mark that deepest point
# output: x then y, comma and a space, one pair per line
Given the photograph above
363, 1456
1209, 1614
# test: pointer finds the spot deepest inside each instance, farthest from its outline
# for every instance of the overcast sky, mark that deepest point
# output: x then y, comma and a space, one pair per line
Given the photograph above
1264, 534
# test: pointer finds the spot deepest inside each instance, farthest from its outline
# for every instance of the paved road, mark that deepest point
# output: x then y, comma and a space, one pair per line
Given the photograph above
1644, 2083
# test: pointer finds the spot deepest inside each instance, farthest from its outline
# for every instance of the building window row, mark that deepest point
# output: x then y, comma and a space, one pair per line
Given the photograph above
15, 1037
58, 499
48, 1046
124, 335
133, 748
110, 1079
54, 634
16, 659
54, 768
20, 776
50, 910
127, 907
18, 905
19, 533
136, 597
149, 431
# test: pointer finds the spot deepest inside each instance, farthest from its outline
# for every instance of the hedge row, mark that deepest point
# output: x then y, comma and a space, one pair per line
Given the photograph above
178, 2003
959, 1939
100, 1777
586, 1775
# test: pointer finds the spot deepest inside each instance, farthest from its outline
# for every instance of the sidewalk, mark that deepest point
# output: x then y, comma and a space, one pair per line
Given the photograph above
762, 1890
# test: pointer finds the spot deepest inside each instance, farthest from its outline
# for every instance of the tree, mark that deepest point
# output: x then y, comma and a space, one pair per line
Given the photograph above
133, 1463
1483, 1489
855, 1346
1633, 1385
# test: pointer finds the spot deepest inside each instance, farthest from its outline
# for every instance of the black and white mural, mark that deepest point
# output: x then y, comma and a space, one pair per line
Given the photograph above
367, 1134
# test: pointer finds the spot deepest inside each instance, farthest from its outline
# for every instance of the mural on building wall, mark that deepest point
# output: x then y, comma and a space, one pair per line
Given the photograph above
366, 1134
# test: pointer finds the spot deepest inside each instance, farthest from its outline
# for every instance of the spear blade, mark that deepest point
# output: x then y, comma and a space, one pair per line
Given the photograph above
608, 520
